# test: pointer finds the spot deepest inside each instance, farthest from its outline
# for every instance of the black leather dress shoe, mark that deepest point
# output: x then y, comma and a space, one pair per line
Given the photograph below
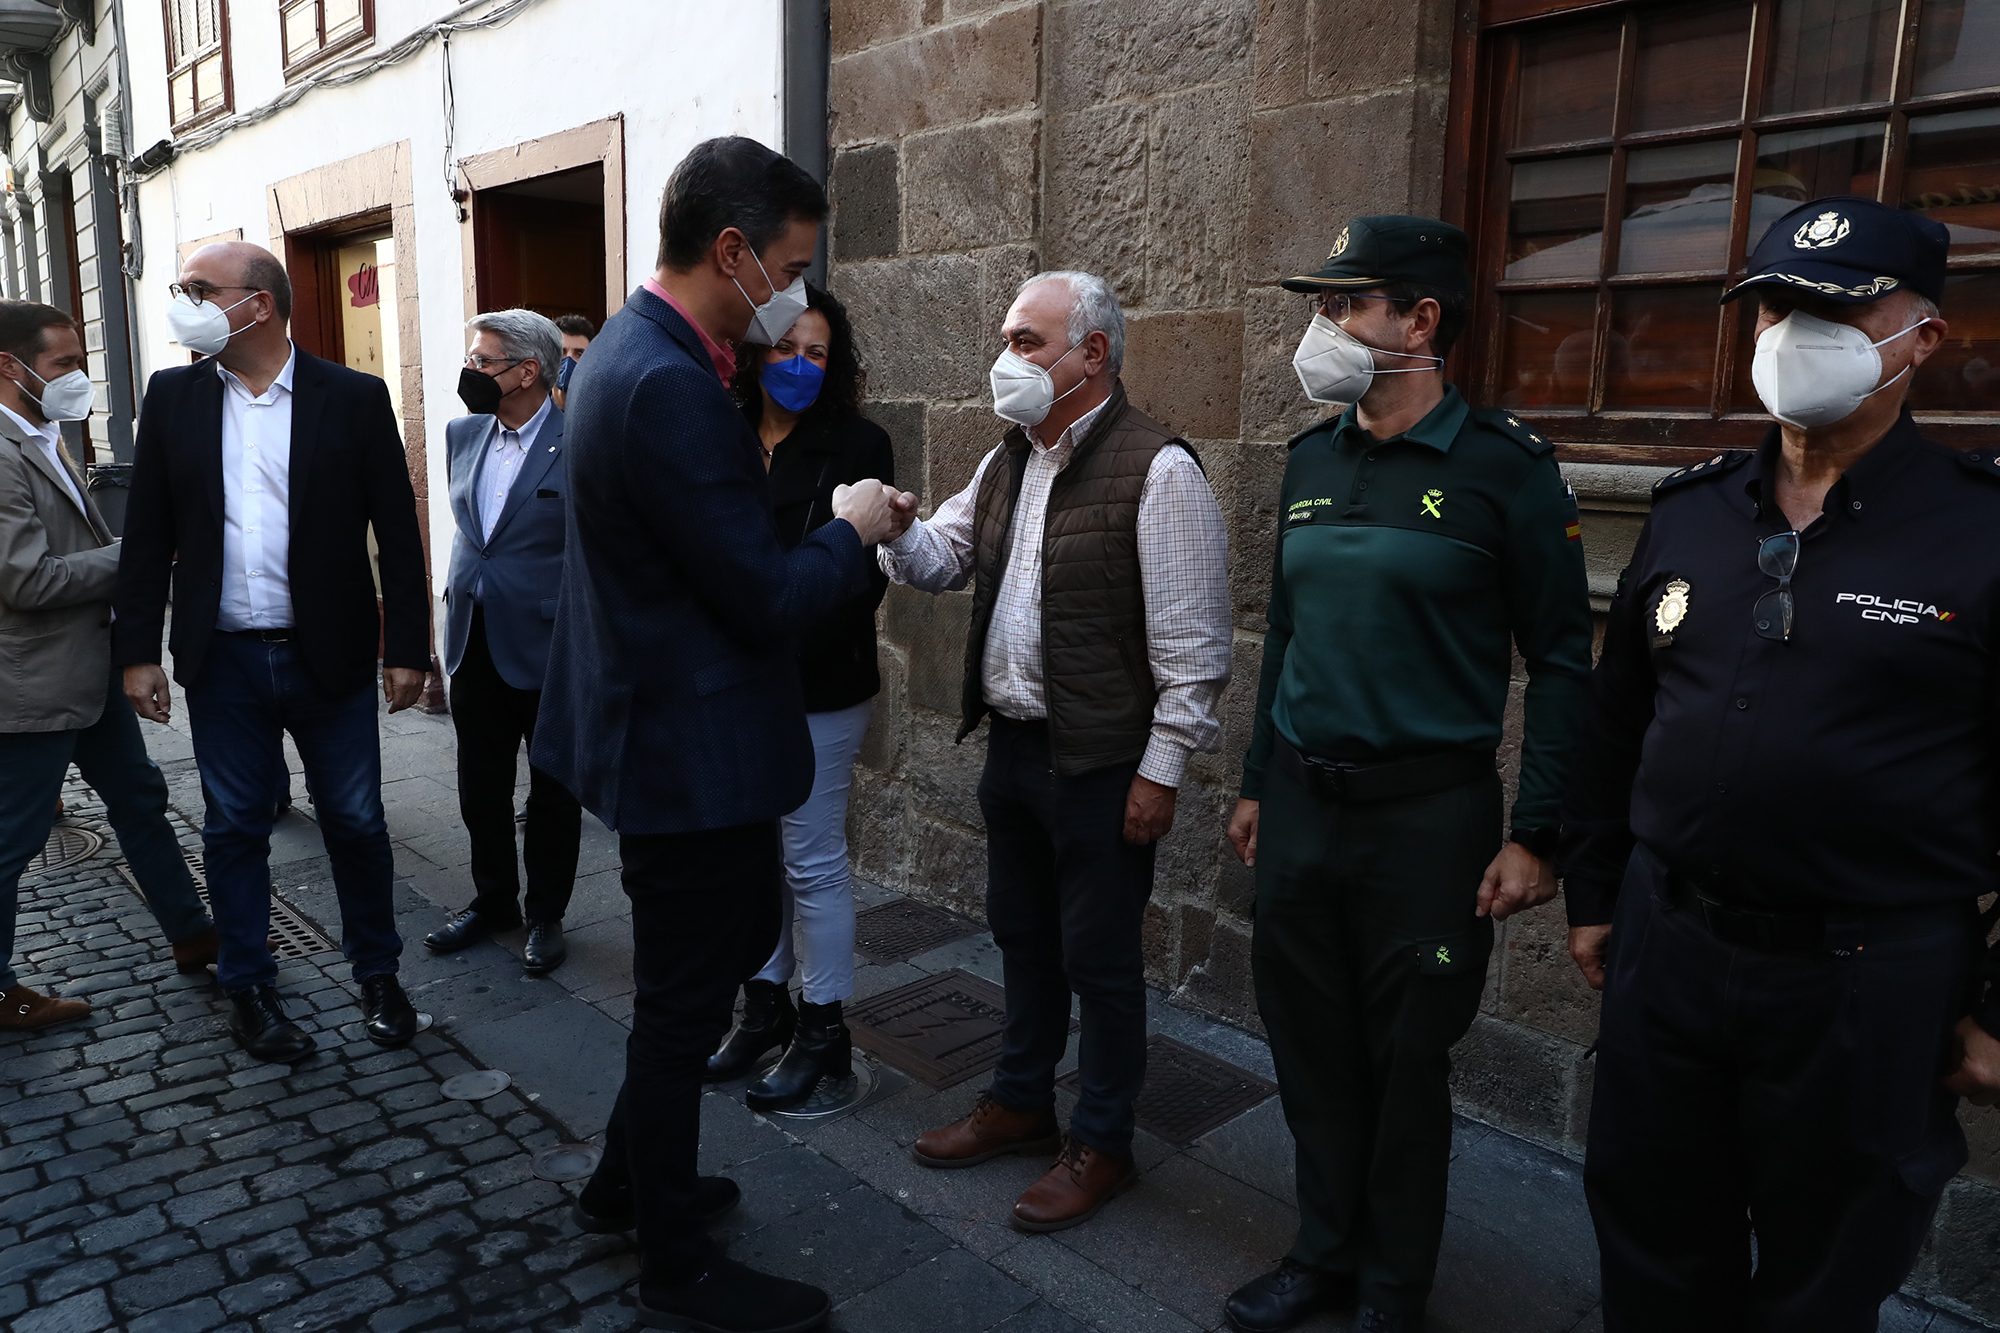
545, 949
1368, 1319
714, 1196
767, 1023
727, 1297
467, 928
387, 1014
1286, 1297
257, 1017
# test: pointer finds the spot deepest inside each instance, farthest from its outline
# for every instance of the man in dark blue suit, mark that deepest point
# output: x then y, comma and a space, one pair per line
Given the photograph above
506, 467
672, 705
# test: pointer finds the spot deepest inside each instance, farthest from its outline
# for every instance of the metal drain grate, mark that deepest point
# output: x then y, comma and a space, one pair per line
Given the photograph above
896, 932
296, 936
65, 847
942, 1030
1188, 1092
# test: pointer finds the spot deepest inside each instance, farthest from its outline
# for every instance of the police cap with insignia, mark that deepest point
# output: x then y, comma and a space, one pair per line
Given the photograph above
1848, 249
1372, 251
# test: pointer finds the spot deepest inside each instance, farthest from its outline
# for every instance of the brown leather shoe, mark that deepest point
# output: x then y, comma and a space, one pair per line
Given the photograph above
990, 1130
197, 952
22, 1010
1082, 1181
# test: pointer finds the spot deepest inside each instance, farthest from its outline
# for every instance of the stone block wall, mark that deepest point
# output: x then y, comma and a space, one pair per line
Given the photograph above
1193, 152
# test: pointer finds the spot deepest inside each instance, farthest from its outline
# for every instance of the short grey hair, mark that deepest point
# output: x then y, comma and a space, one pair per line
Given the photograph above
524, 336
1095, 310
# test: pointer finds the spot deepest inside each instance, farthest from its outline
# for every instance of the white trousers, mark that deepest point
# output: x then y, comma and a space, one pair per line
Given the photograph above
817, 889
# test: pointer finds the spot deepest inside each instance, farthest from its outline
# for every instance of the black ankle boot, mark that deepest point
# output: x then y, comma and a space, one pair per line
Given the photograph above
767, 1023
820, 1049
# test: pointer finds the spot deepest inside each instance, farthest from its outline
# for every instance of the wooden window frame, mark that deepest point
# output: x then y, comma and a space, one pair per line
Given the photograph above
228, 103
1475, 197
326, 53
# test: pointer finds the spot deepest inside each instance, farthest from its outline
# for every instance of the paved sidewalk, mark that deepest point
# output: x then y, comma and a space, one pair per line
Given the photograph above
152, 1178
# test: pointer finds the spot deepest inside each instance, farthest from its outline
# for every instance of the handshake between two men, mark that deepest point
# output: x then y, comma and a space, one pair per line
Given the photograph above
876, 510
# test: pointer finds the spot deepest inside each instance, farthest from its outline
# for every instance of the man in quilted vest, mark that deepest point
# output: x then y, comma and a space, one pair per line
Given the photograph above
1099, 645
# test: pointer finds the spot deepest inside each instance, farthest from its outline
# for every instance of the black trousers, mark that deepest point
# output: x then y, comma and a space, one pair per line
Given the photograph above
1796, 1098
705, 907
493, 721
1065, 897
1369, 964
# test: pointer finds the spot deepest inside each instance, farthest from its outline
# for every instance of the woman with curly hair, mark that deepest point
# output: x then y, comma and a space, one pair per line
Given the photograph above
804, 398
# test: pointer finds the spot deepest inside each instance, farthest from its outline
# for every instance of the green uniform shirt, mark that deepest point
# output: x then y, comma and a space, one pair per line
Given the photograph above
1403, 568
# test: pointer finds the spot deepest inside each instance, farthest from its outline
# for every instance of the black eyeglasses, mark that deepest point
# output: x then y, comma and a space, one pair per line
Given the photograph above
1777, 557
199, 291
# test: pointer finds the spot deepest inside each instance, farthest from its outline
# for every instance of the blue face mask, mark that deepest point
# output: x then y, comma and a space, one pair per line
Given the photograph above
794, 384
563, 373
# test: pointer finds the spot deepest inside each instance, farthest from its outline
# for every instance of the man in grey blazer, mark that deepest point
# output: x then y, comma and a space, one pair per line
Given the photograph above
60, 700
506, 467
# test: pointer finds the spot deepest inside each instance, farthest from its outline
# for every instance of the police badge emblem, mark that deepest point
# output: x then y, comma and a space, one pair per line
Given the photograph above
1339, 244
1828, 229
1670, 612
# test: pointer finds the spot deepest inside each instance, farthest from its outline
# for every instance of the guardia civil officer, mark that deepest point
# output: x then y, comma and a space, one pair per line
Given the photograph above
1419, 538
1782, 813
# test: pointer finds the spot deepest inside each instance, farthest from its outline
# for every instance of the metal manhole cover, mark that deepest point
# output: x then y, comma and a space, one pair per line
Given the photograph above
941, 1030
476, 1085
296, 936
65, 847
1188, 1092
567, 1161
834, 1097
895, 932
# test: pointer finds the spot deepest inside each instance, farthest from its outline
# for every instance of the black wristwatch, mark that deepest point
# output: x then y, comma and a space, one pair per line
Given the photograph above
1541, 841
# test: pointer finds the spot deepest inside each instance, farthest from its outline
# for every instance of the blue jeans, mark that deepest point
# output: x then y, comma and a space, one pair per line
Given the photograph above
817, 887
250, 693
112, 758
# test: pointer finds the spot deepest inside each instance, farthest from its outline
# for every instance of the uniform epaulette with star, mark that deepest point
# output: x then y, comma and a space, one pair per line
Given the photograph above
1514, 429
1726, 461
1985, 462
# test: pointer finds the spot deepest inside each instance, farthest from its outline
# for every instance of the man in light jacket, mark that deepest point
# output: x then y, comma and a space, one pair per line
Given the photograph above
60, 701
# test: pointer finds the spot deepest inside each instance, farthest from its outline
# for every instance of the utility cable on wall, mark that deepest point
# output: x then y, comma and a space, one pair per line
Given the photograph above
352, 70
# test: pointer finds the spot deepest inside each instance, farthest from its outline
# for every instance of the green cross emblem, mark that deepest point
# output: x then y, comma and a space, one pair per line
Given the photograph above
1443, 954
1432, 502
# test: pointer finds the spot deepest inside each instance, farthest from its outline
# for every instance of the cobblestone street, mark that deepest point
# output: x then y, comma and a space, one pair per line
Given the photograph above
154, 1178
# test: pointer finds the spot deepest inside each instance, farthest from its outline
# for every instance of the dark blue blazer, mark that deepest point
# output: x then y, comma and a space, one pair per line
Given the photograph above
519, 570
671, 702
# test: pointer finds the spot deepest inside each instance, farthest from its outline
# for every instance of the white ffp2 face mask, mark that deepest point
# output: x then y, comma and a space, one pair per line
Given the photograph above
1334, 366
203, 329
1023, 392
772, 320
66, 397
1812, 372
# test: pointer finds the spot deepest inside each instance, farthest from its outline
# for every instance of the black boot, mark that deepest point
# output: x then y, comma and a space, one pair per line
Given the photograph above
767, 1022
820, 1049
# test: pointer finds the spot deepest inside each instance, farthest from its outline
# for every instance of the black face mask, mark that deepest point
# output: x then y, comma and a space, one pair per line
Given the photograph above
480, 392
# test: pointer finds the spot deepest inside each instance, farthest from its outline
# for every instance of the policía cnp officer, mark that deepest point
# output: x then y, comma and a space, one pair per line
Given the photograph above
1419, 537
1782, 814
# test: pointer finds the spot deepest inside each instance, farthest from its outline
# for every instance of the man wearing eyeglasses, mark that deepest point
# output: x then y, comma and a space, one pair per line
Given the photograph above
258, 473
507, 481
1782, 816
1420, 539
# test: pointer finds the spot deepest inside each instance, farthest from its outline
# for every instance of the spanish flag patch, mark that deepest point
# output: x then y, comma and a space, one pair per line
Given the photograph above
1574, 531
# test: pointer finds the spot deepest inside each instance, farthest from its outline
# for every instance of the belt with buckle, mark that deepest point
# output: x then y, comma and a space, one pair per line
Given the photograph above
1338, 780
281, 635
1809, 931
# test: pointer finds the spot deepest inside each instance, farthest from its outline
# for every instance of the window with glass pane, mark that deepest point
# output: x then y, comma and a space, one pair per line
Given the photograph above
197, 60
317, 30
1629, 159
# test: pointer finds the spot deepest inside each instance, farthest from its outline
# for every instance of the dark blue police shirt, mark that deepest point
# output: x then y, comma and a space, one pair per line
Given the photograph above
1853, 765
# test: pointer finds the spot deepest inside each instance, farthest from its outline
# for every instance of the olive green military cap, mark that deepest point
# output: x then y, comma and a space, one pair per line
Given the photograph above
1391, 247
